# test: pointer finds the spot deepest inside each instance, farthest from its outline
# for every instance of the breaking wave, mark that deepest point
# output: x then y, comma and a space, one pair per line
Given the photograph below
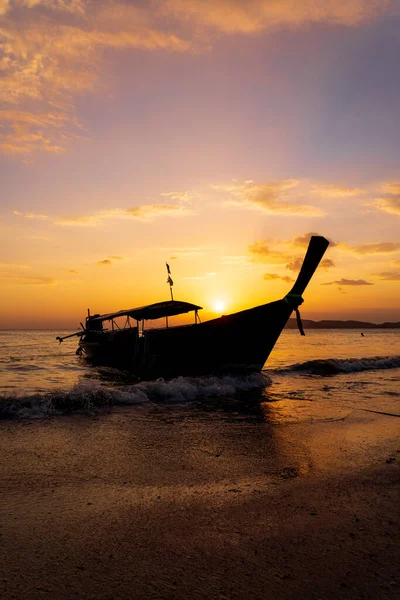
334, 366
92, 396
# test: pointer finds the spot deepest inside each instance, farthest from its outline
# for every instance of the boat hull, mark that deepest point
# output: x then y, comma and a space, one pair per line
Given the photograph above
240, 342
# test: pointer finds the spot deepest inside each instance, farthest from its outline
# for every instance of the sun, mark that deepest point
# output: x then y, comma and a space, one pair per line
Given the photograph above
219, 306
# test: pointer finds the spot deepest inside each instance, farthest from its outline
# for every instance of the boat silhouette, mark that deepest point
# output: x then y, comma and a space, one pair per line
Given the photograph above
239, 342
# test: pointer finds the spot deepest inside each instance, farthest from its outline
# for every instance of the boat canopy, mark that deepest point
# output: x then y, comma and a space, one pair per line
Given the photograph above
169, 308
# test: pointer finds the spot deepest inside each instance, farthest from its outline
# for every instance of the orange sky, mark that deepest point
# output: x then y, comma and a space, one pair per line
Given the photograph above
216, 136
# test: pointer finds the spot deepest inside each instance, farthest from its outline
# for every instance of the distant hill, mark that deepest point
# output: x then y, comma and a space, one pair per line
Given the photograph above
326, 324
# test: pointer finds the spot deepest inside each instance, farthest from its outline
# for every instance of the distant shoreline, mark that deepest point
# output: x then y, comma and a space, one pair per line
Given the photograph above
335, 324
291, 324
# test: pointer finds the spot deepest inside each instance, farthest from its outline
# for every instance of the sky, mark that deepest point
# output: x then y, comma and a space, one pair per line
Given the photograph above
215, 135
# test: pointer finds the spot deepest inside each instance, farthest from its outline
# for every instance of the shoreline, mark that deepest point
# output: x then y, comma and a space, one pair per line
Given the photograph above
139, 503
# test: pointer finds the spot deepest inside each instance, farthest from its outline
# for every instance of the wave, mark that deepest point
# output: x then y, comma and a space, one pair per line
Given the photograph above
92, 396
334, 366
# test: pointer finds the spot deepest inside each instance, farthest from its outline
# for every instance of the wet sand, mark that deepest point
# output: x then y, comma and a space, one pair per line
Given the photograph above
143, 503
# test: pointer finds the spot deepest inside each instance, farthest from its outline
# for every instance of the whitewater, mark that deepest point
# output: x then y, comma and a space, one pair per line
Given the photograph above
337, 370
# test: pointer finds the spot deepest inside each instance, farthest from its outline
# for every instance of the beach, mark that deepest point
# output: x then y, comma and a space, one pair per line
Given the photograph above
182, 503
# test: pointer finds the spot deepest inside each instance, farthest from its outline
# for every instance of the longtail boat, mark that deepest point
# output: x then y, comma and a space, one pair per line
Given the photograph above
239, 342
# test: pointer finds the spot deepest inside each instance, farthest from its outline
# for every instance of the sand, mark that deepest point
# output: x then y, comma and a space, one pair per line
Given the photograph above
139, 503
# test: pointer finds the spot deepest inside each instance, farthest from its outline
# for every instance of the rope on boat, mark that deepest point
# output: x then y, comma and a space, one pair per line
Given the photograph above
299, 323
295, 300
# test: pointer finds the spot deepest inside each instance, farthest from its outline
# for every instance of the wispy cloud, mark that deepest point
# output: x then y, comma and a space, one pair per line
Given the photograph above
23, 132
12, 266
273, 276
149, 211
28, 215
295, 265
261, 251
304, 240
348, 282
249, 16
273, 252
390, 200
51, 51
105, 262
390, 204
378, 248
391, 187
272, 198
109, 260
22, 280
389, 275
329, 190
146, 212
179, 196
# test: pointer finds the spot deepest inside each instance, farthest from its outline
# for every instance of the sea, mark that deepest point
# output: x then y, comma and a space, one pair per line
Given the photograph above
324, 374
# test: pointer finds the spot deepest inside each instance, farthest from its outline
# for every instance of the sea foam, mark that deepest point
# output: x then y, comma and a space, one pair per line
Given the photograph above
334, 366
91, 396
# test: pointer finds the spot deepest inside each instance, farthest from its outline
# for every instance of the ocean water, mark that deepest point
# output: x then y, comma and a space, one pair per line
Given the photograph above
325, 374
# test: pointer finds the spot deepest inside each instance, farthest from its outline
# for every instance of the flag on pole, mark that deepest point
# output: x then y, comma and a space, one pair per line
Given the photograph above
169, 280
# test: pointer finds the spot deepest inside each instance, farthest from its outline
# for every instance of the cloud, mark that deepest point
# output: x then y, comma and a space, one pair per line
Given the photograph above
12, 266
390, 202
51, 51
261, 252
326, 263
179, 196
254, 16
274, 252
273, 276
63, 5
146, 212
4, 6
23, 132
295, 265
389, 205
391, 187
109, 260
389, 275
30, 280
304, 240
378, 248
101, 263
329, 190
270, 198
348, 282
31, 215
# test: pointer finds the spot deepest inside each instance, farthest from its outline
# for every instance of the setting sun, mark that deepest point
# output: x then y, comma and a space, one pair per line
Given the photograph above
219, 306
